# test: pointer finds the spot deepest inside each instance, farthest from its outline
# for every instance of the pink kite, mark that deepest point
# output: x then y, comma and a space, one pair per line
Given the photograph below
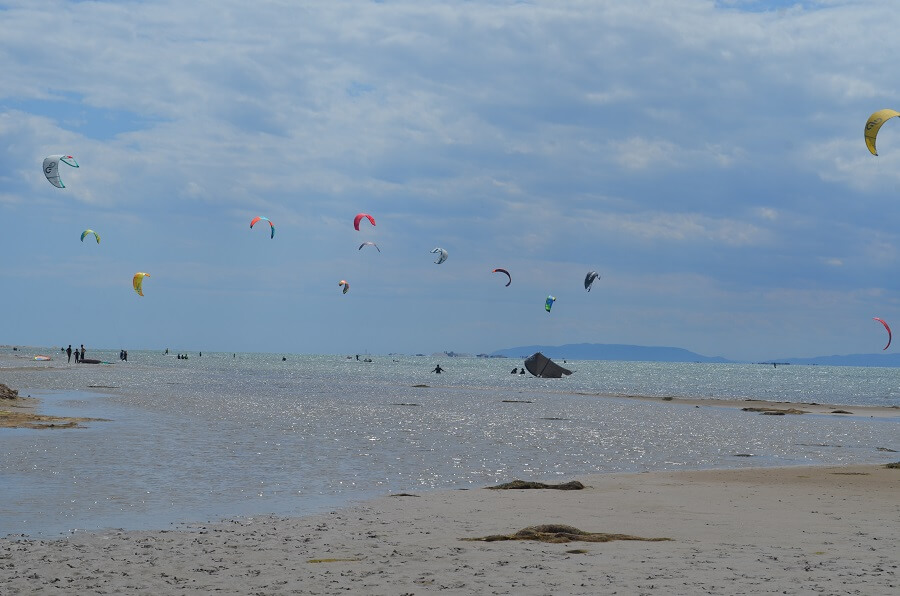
359, 217
888, 330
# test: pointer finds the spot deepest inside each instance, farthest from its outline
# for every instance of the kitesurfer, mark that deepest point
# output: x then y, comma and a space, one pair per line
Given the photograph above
438, 369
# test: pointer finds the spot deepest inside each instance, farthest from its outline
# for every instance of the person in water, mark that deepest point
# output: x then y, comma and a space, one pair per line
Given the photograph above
438, 369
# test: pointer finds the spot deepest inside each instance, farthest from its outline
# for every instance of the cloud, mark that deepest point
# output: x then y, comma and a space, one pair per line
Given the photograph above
677, 137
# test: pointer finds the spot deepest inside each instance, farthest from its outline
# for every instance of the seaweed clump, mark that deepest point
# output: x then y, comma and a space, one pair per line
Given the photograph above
558, 533
775, 411
521, 484
895, 465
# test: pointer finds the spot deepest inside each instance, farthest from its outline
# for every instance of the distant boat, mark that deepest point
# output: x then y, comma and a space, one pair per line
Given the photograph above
541, 366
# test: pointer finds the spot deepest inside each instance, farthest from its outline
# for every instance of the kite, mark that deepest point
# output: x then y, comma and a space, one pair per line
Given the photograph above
589, 279
369, 244
541, 366
888, 330
87, 232
549, 303
138, 282
359, 217
498, 270
442, 255
873, 125
345, 285
51, 168
258, 219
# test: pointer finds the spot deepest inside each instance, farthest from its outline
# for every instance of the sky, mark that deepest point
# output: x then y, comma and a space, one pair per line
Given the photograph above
705, 157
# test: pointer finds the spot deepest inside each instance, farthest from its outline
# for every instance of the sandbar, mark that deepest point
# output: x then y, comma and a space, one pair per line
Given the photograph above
763, 405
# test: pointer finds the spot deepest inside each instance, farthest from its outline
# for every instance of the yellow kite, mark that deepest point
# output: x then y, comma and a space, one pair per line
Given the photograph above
138, 282
873, 125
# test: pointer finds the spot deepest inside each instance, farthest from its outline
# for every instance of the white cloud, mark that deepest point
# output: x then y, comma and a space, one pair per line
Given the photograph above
567, 128
686, 227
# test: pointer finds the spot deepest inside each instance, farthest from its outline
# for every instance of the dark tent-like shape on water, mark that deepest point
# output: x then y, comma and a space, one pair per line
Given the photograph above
541, 366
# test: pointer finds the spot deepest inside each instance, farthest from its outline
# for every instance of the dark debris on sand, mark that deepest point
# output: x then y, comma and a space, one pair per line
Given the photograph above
558, 533
520, 484
775, 411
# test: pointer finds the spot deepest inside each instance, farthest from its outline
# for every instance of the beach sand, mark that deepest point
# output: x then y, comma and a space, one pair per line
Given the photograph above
822, 530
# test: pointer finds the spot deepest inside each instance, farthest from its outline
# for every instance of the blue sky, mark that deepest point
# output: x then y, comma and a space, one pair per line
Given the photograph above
706, 157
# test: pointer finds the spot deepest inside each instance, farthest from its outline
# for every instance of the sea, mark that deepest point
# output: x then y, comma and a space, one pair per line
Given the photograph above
222, 436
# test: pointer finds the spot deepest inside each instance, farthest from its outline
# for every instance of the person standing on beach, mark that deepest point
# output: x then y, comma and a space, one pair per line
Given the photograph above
82, 351
76, 356
69, 353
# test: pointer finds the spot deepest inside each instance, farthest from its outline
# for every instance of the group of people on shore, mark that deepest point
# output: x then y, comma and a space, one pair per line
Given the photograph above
79, 354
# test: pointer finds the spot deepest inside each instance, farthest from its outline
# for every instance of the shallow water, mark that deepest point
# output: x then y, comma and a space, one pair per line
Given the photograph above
226, 435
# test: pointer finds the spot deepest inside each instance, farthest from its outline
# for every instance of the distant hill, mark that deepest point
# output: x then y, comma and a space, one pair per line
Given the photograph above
610, 352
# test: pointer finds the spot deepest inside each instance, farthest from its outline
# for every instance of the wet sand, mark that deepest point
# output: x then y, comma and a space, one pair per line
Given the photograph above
823, 530
763, 406
21, 412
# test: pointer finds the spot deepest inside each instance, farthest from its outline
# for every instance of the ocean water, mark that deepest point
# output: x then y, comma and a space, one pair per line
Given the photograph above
227, 435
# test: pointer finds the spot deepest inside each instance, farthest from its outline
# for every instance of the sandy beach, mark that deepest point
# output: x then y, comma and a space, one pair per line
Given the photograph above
822, 530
